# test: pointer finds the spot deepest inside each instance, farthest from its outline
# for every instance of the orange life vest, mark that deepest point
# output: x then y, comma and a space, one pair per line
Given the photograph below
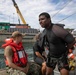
19, 55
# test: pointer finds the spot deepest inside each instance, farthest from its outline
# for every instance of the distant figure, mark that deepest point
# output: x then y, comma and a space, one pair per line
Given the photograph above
15, 55
74, 52
39, 55
70, 54
59, 41
71, 59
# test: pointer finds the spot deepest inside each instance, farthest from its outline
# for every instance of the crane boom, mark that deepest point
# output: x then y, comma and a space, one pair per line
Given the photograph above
18, 11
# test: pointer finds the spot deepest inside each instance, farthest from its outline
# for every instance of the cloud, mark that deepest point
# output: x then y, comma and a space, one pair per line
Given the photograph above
70, 9
30, 10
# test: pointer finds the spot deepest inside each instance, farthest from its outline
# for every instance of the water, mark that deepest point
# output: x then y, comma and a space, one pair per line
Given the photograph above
28, 48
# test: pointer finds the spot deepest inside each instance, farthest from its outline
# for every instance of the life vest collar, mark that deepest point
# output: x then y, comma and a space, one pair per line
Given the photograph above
11, 43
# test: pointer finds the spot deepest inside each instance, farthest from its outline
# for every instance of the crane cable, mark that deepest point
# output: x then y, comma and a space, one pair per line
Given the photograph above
61, 9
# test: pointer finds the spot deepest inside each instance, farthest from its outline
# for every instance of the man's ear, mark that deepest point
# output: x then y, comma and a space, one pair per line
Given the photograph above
49, 19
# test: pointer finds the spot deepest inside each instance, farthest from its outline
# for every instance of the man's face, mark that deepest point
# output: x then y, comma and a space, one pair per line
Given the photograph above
44, 22
19, 39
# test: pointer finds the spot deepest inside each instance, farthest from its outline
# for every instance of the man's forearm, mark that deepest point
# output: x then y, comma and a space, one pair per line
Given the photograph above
12, 65
25, 69
39, 55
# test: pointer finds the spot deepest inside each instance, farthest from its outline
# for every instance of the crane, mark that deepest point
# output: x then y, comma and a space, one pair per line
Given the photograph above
18, 11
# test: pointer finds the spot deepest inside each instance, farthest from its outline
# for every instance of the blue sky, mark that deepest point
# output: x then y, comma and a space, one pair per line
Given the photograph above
30, 9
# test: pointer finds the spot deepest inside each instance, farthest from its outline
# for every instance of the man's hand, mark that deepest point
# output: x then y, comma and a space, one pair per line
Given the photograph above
25, 70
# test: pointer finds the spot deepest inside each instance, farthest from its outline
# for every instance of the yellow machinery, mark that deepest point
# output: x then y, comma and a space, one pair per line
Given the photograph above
18, 11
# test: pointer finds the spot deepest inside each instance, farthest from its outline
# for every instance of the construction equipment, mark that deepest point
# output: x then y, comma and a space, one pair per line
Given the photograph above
18, 11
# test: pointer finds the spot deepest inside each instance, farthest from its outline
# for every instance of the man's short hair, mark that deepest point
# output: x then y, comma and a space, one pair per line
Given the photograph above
45, 14
16, 34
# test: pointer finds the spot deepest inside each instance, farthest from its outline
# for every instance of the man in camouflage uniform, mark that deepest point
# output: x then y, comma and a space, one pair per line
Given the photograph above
34, 69
15, 55
12, 71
